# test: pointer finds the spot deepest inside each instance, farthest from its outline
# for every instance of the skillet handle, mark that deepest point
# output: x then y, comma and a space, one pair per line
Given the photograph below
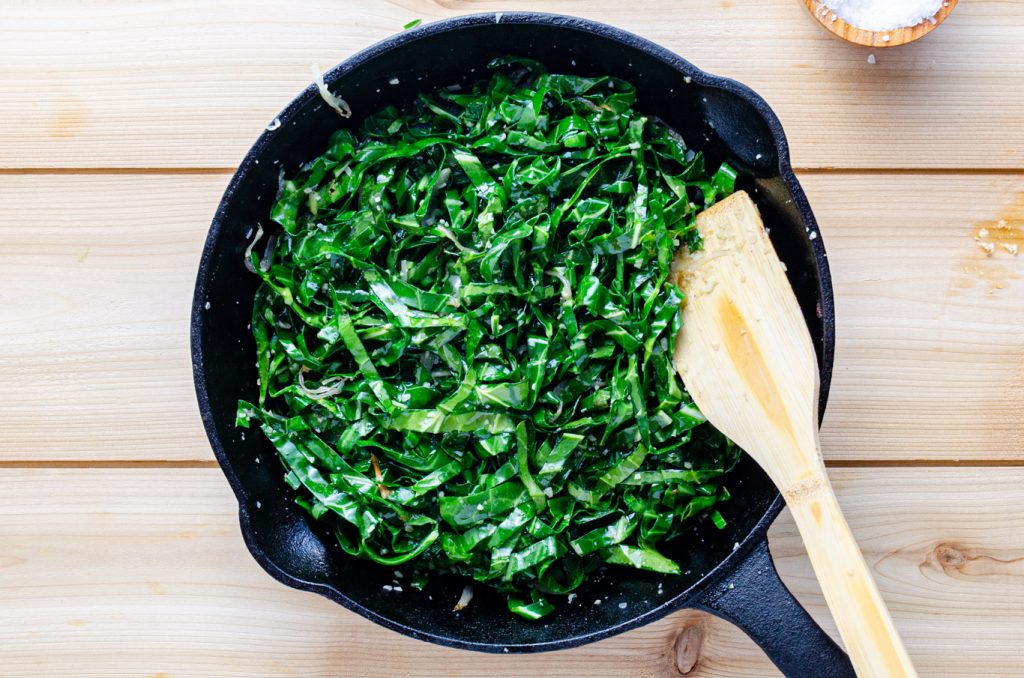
754, 598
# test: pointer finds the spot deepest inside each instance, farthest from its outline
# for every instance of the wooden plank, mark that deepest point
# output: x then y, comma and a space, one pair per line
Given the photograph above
946, 547
929, 353
138, 583
172, 83
96, 277
95, 296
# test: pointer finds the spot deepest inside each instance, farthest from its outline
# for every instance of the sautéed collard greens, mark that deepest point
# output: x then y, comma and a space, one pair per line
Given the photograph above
465, 329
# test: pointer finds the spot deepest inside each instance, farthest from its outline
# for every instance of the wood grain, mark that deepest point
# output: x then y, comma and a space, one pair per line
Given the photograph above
179, 83
96, 276
926, 532
143, 572
929, 353
127, 559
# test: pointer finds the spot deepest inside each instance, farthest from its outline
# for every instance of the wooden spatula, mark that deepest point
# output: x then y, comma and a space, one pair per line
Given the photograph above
746, 357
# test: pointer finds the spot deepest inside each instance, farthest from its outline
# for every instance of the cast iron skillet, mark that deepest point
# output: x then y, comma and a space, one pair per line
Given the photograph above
728, 572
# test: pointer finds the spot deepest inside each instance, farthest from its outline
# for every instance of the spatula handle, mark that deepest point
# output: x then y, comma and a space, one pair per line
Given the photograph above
864, 623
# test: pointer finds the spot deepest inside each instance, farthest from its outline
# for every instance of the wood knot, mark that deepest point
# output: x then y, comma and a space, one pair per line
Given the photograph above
960, 560
949, 557
687, 649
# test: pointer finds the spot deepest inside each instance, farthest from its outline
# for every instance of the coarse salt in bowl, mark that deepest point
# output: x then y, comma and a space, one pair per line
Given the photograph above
884, 15
880, 23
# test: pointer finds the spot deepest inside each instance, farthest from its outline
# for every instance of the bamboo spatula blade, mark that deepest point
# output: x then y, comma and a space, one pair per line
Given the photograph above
739, 312
746, 357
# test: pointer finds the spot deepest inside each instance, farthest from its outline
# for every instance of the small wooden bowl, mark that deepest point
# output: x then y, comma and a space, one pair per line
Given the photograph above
860, 36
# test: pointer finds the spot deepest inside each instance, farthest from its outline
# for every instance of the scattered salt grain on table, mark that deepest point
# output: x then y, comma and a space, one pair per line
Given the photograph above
884, 15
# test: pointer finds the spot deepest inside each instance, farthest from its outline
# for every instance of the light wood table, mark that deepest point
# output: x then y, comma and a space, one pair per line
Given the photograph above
120, 123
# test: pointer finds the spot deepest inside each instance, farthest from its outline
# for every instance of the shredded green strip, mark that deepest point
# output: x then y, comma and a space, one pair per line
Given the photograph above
464, 335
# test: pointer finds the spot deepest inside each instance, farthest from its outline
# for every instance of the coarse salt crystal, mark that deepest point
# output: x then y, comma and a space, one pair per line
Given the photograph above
871, 59
883, 15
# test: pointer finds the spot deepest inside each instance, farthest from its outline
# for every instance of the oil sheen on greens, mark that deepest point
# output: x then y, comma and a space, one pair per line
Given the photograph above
464, 335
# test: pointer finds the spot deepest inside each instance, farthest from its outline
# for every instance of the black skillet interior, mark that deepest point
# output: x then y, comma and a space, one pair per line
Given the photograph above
720, 117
